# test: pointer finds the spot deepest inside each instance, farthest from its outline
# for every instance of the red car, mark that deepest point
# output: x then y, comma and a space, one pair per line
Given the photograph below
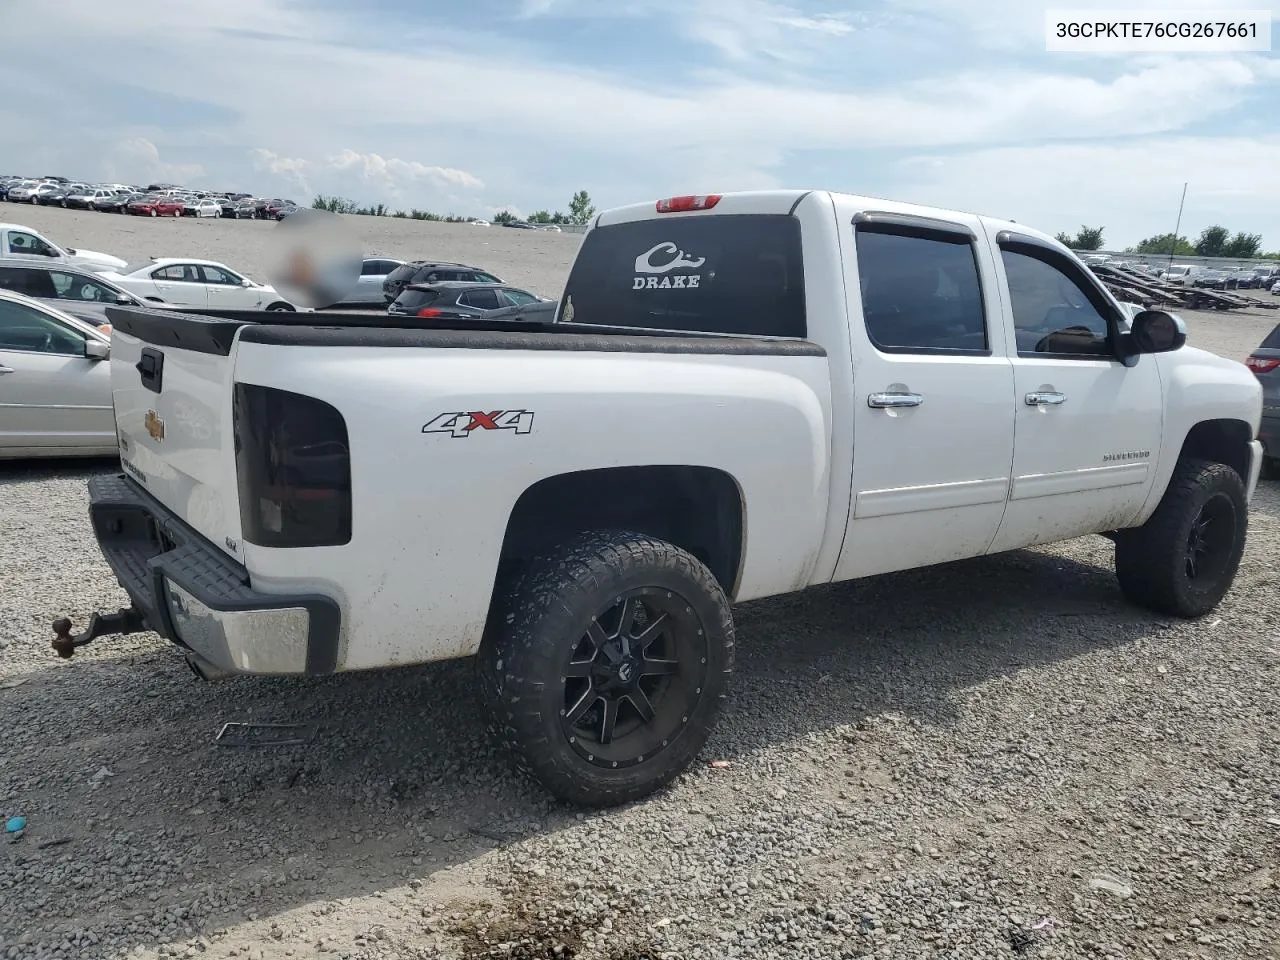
155, 207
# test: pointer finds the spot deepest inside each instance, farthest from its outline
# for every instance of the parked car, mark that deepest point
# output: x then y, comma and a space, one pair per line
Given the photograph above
1275, 287
274, 208
431, 271
156, 206
582, 504
56, 389
201, 208
25, 243
518, 225
78, 292
51, 194
373, 272
463, 301
198, 283
246, 209
1209, 279
22, 192
1265, 363
115, 202
1181, 274
1242, 280
85, 198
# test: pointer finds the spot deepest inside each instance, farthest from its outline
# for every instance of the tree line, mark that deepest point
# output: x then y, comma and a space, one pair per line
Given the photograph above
1215, 241
581, 210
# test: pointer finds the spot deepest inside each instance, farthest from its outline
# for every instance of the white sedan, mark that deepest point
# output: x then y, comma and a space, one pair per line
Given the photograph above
55, 387
198, 283
202, 208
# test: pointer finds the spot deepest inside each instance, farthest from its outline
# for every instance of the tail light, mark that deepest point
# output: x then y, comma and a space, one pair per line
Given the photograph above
1262, 364
429, 312
293, 469
683, 204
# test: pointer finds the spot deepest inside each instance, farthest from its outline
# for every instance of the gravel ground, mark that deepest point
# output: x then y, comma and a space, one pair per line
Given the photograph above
909, 766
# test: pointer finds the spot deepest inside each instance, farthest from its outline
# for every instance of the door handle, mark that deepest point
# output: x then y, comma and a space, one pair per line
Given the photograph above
1046, 398
882, 400
6, 369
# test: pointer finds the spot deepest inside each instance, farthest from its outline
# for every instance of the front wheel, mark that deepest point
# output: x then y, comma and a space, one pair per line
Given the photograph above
280, 308
604, 666
1183, 560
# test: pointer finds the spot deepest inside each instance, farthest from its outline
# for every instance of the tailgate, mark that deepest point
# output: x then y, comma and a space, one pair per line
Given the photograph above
171, 384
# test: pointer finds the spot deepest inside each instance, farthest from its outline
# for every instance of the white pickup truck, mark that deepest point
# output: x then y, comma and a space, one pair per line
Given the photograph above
741, 395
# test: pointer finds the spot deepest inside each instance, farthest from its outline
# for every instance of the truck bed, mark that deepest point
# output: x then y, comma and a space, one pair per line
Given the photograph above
211, 331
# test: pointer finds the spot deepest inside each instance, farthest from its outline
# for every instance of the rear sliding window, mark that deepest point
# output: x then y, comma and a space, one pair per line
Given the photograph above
732, 273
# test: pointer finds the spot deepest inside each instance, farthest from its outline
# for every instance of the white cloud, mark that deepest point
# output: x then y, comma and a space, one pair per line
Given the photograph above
1131, 188
138, 159
292, 169
392, 173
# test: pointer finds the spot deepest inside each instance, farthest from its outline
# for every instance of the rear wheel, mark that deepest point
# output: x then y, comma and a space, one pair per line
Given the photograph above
155, 212
604, 666
1183, 560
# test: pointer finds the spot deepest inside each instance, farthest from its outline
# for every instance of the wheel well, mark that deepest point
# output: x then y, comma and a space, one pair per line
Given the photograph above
696, 508
1220, 441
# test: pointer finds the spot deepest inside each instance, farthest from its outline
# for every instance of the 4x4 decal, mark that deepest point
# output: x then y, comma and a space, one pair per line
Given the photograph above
464, 424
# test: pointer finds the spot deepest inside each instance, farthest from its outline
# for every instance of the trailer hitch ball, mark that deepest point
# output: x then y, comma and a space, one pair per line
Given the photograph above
125, 620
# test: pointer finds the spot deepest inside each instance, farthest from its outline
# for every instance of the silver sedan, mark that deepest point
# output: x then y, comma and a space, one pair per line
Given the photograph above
55, 389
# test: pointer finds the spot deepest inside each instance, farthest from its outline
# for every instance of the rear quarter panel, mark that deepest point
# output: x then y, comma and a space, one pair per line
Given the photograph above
430, 510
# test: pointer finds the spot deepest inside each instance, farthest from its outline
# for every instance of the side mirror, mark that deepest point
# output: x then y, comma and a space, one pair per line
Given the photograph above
96, 349
246, 283
124, 300
1154, 331
71, 250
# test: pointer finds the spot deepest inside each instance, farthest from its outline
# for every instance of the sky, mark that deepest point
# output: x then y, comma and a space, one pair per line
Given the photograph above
516, 104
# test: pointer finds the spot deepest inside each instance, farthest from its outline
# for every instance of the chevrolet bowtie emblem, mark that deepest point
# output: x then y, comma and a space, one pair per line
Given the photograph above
154, 425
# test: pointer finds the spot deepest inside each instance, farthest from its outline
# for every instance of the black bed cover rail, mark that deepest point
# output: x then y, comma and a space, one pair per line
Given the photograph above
213, 331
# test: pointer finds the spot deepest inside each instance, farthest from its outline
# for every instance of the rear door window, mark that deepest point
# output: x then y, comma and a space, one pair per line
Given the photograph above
481, 299
732, 273
1272, 342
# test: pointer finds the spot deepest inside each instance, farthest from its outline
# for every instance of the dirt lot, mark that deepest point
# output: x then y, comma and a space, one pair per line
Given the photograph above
532, 259
996, 758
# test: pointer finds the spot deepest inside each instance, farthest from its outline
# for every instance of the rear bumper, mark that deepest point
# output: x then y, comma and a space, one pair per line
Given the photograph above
194, 595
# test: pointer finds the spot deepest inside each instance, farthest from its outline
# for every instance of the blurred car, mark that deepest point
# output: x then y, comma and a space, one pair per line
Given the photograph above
474, 301
51, 194
1210, 280
155, 206
1243, 279
57, 390
22, 192
115, 202
373, 272
1275, 288
245, 209
84, 198
275, 208
518, 225
431, 271
81, 293
198, 283
201, 208
1265, 363
24, 243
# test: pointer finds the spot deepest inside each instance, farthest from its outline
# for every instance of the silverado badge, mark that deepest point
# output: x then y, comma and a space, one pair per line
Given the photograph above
154, 425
